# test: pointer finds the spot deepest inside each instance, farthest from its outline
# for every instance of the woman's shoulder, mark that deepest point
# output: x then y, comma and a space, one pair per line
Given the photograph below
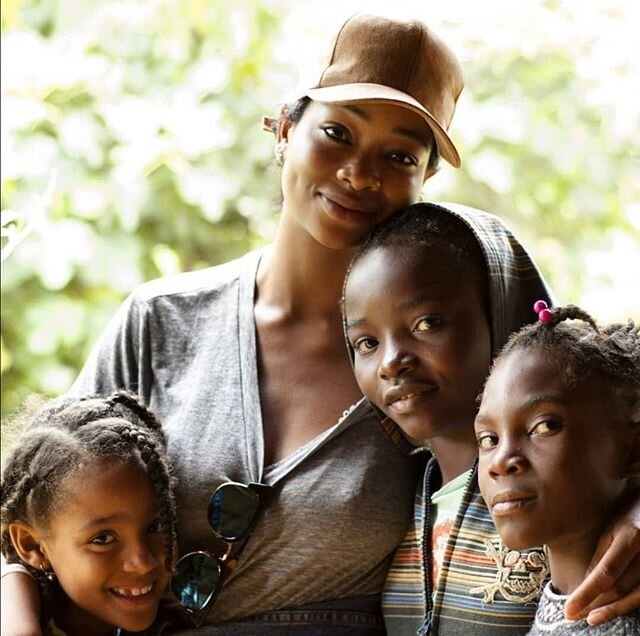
198, 282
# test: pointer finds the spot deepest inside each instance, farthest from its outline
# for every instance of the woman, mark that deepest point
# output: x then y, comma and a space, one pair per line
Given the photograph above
245, 363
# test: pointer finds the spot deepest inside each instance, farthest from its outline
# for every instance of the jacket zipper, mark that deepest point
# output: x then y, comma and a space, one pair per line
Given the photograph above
426, 549
427, 557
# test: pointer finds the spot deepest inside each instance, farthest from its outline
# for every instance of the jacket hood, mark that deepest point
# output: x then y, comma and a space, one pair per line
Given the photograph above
514, 280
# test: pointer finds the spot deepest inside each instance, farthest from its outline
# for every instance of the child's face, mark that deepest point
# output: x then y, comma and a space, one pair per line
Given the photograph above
106, 546
552, 457
417, 323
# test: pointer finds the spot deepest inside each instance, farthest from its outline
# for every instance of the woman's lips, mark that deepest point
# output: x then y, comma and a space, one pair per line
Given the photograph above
353, 211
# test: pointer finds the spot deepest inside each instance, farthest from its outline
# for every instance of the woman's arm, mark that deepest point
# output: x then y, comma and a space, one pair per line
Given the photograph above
20, 615
612, 587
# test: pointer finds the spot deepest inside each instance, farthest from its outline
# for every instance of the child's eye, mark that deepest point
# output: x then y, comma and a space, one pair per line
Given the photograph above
546, 427
104, 538
426, 323
404, 158
155, 527
336, 132
364, 345
487, 440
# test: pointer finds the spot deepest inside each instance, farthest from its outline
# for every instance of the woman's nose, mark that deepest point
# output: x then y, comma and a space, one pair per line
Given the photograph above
361, 173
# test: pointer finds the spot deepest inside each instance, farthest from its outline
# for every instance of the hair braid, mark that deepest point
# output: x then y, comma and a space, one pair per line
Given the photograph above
611, 354
162, 481
130, 401
570, 312
67, 434
15, 491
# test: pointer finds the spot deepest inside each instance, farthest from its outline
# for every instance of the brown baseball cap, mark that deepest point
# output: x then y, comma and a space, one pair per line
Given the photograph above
375, 60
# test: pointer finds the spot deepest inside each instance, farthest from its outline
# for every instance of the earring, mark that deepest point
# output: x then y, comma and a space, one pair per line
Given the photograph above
50, 574
279, 152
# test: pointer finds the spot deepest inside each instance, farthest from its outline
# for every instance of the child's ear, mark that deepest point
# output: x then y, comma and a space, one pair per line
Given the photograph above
26, 540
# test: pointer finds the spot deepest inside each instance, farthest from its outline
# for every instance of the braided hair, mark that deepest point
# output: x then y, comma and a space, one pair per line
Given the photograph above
67, 434
582, 349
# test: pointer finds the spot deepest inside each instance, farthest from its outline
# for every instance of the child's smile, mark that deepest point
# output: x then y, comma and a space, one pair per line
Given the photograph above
106, 545
407, 397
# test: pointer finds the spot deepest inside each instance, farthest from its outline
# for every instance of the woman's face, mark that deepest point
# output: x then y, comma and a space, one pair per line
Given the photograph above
348, 167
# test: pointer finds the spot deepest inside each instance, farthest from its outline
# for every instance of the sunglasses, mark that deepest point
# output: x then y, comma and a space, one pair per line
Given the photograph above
198, 576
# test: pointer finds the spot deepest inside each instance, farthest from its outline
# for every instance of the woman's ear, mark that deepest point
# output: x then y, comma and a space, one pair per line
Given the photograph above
283, 126
429, 173
28, 544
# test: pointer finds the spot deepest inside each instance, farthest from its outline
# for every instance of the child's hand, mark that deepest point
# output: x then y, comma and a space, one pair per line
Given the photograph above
612, 587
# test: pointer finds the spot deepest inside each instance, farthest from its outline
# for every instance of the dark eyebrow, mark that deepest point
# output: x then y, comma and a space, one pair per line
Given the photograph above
100, 521
528, 405
416, 136
541, 399
356, 110
416, 301
425, 140
481, 419
352, 324
419, 300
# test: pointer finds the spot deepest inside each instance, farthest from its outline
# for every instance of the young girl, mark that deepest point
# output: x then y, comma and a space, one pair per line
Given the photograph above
429, 299
559, 437
88, 508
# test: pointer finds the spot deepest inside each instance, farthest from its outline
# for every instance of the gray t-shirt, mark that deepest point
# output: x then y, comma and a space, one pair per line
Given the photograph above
339, 505
550, 620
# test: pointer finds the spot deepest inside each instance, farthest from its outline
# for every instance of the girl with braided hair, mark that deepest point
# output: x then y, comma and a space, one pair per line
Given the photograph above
87, 506
559, 437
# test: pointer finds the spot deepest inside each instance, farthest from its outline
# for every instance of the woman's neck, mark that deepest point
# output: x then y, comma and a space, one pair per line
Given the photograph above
300, 277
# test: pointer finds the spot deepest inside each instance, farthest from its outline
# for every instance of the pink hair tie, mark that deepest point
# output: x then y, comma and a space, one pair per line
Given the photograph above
542, 309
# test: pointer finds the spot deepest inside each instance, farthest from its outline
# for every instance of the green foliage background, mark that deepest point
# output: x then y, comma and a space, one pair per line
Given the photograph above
132, 148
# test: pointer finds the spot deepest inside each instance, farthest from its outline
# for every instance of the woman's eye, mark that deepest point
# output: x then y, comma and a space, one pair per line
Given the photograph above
487, 441
425, 324
155, 527
338, 133
404, 158
364, 345
546, 427
104, 538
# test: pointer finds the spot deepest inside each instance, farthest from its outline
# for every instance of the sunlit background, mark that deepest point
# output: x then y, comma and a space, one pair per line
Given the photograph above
132, 147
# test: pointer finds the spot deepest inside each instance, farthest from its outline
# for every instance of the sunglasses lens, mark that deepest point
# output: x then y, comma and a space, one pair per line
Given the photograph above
195, 580
232, 510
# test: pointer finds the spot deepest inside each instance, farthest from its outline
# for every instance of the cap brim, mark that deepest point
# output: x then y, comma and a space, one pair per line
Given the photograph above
378, 93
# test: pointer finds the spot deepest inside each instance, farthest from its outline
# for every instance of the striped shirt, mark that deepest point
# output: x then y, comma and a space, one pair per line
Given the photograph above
483, 588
